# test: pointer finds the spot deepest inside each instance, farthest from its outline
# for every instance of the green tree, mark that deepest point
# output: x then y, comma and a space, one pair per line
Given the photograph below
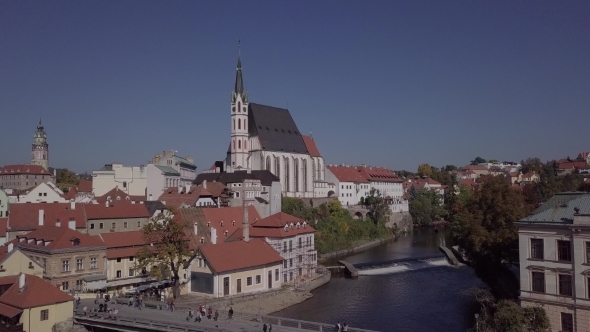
378, 207
532, 165
172, 248
426, 206
425, 170
478, 160
65, 178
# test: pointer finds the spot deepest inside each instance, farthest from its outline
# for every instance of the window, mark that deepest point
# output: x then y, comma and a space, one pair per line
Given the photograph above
93, 263
258, 279
124, 184
284, 264
131, 259
291, 276
564, 251
291, 262
249, 281
65, 265
92, 226
125, 225
45, 314
118, 273
119, 260
290, 245
567, 322
565, 284
113, 226
537, 248
139, 224
79, 284
79, 264
300, 271
276, 274
131, 272
285, 246
587, 252
300, 243
65, 285
101, 226
538, 282
300, 259
285, 277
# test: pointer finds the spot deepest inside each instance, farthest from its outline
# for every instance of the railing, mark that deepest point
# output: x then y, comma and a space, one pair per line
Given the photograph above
103, 321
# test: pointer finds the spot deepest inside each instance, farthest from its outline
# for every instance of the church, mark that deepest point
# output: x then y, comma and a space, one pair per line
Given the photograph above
266, 138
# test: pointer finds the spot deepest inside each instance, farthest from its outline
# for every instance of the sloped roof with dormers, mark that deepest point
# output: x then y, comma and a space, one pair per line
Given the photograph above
560, 208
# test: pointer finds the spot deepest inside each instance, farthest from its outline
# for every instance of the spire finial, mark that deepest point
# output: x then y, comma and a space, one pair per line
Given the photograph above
239, 47
239, 85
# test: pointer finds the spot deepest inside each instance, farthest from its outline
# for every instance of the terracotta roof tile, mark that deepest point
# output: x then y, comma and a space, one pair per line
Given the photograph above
85, 186
572, 165
116, 211
122, 252
25, 216
9, 311
24, 169
54, 238
230, 256
311, 147
232, 218
177, 199
123, 239
347, 174
37, 292
3, 226
118, 195
380, 174
475, 168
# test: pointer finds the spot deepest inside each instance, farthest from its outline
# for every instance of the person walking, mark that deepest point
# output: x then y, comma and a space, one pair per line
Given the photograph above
264, 328
269, 327
209, 312
338, 327
190, 315
345, 328
130, 301
96, 299
198, 318
231, 312
216, 316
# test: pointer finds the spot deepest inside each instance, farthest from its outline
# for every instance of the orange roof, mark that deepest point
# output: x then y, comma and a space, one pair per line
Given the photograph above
24, 169
311, 147
3, 252
53, 238
117, 195
230, 256
85, 186
475, 168
381, 174
123, 239
347, 174
116, 211
468, 182
8, 311
572, 164
3, 226
25, 216
37, 292
122, 252
176, 199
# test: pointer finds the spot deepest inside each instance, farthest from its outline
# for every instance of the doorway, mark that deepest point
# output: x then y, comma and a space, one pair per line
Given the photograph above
269, 279
239, 286
226, 286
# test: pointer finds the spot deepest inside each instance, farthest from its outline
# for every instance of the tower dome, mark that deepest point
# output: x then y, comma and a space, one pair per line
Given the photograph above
40, 150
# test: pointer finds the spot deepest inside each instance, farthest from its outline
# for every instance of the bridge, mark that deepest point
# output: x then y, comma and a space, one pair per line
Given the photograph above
130, 319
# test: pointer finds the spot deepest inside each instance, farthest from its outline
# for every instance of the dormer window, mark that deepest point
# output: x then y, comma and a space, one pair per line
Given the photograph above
208, 224
233, 222
221, 223
202, 240
118, 198
75, 241
226, 232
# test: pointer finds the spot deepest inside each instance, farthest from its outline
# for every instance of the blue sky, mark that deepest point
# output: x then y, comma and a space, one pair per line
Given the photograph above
388, 83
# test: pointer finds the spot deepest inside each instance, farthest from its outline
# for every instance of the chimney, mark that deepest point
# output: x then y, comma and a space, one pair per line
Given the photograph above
41, 217
72, 205
213, 235
188, 188
204, 184
10, 247
72, 224
180, 189
21, 282
58, 223
245, 230
106, 204
196, 229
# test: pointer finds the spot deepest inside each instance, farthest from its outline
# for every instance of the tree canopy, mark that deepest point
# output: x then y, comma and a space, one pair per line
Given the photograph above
66, 178
425, 170
478, 160
426, 206
172, 248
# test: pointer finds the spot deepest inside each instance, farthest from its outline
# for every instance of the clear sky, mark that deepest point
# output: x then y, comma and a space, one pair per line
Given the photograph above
388, 83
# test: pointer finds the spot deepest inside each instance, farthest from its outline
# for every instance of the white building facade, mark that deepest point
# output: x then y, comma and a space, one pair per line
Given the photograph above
184, 166
130, 179
159, 178
46, 192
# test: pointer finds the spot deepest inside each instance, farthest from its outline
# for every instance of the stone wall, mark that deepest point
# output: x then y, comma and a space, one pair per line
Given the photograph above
315, 202
401, 220
68, 326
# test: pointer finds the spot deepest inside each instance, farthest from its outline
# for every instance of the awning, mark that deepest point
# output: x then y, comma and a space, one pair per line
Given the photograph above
94, 277
8, 311
96, 285
128, 281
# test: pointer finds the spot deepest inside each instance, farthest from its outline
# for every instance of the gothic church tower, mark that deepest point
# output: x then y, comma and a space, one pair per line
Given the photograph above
40, 154
239, 148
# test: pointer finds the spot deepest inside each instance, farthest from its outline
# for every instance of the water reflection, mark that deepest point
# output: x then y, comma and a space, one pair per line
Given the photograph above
432, 299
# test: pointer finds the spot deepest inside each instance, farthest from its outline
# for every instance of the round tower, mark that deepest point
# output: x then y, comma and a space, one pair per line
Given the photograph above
40, 151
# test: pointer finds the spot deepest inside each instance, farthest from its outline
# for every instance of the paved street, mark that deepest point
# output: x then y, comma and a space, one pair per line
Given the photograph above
179, 317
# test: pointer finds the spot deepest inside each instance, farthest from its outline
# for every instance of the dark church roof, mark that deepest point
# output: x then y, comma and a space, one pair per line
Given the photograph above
266, 177
275, 129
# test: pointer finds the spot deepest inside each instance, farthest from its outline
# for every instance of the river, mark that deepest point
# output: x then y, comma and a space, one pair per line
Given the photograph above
428, 298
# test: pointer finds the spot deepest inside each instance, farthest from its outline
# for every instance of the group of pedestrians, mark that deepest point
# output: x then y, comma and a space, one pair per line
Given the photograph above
136, 301
204, 313
341, 327
267, 328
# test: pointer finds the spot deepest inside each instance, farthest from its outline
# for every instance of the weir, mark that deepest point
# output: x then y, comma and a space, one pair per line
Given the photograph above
401, 265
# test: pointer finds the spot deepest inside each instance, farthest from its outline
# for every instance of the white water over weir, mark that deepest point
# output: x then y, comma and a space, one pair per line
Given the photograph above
404, 265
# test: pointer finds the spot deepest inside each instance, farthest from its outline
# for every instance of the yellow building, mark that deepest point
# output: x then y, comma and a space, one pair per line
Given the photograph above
232, 268
13, 261
29, 303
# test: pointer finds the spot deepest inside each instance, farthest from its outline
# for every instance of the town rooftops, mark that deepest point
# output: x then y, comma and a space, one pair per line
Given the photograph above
167, 170
347, 174
475, 168
35, 293
266, 177
230, 256
311, 146
25, 216
187, 196
154, 206
116, 210
23, 169
123, 239
57, 238
378, 174
280, 225
560, 209
118, 195
3, 226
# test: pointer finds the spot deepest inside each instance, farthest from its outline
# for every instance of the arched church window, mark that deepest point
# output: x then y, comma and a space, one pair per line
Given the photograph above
239, 144
233, 145
296, 174
245, 145
286, 174
233, 109
268, 163
277, 172
304, 177
319, 177
234, 124
245, 127
239, 123
239, 106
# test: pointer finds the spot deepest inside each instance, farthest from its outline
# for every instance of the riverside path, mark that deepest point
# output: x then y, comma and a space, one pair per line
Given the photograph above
131, 319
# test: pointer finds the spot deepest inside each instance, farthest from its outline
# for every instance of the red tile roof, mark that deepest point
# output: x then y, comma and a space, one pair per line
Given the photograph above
381, 174
215, 216
274, 226
572, 165
122, 252
176, 199
311, 147
475, 168
25, 216
468, 182
37, 292
85, 186
8, 311
420, 183
54, 238
118, 195
230, 256
347, 174
24, 169
116, 211
3, 226
3, 252
123, 239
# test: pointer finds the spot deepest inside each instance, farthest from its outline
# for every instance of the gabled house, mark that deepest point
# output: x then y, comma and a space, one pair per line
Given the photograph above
45, 192
13, 261
210, 195
530, 177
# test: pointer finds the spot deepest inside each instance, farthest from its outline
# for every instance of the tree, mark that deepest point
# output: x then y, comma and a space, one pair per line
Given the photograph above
377, 205
426, 206
425, 170
66, 178
532, 165
172, 248
478, 160
405, 174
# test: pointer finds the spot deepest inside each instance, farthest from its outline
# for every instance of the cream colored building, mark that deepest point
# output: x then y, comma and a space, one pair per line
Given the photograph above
233, 268
554, 250
46, 192
4, 204
130, 179
13, 261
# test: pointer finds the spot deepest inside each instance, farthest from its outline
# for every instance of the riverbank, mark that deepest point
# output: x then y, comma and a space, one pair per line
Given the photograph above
344, 252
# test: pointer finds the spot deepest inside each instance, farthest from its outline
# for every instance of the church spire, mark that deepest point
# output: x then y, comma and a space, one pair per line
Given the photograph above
239, 86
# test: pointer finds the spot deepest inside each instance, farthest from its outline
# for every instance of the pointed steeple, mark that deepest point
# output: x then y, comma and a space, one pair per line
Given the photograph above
239, 86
